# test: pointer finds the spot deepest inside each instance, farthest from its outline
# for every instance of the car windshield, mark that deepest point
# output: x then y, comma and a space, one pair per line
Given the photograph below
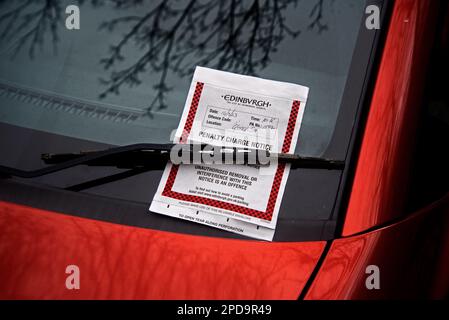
124, 75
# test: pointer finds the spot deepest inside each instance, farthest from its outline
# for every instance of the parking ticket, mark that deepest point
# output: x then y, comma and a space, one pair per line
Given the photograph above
231, 110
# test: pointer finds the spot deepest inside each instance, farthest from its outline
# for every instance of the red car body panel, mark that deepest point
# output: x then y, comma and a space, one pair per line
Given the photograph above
121, 262
383, 168
412, 256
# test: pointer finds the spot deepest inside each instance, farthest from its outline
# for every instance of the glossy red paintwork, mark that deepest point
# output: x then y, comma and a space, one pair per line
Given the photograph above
379, 188
413, 258
121, 262
130, 263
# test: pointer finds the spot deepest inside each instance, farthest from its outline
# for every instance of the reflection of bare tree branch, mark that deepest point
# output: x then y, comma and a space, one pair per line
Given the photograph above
233, 35
32, 20
317, 17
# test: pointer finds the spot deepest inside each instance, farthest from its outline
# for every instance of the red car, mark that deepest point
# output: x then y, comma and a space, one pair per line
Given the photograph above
376, 229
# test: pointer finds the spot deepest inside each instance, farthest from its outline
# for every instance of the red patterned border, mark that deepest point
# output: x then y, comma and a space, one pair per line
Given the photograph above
192, 112
285, 149
268, 214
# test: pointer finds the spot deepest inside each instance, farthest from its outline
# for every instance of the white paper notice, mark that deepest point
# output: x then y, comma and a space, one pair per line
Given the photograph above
226, 109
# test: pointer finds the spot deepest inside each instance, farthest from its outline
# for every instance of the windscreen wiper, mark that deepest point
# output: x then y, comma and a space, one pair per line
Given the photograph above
156, 156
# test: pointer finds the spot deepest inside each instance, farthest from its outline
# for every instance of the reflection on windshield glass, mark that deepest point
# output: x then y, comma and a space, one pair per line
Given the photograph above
123, 77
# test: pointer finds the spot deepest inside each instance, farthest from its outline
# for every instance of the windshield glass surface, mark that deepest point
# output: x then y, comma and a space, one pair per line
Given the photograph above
123, 77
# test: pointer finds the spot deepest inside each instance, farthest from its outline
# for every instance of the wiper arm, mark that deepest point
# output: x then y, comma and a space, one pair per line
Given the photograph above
151, 156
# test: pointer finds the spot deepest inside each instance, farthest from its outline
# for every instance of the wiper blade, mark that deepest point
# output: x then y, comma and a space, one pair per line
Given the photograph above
155, 156
83, 160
